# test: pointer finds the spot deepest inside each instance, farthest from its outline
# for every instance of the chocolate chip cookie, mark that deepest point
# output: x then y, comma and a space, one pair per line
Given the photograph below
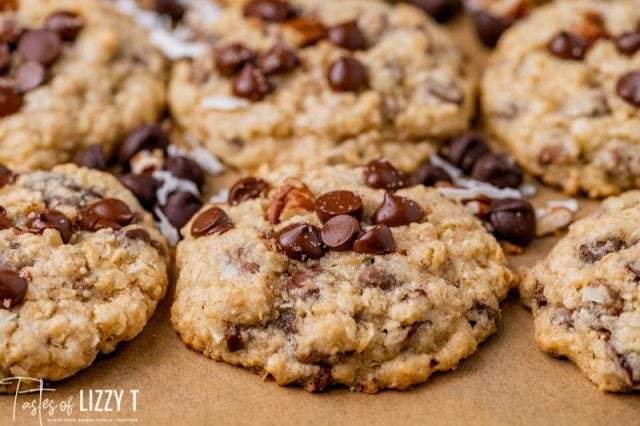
339, 275
73, 74
585, 295
563, 93
82, 269
322, 81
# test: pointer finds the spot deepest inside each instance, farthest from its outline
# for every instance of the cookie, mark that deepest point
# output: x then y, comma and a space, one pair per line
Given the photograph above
585, 295
342, 275
74, 74
562, 93
82, 270
340, 76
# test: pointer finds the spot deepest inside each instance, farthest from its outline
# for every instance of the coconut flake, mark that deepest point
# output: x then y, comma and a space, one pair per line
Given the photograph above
205, 12
224, 103
166, 228
174, 48
451, 170
594, 294
220, 197
205, 159
571, 205
171, 184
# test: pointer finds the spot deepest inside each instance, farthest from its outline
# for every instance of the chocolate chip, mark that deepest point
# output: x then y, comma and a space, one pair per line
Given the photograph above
51, 219
628, 43
319, 380
397, 211
148, 137
483, 315
375, 276
13, 288
429, 175
336, 203
634, 270
180, 208
513, 220
309, 29
499, 170
171, 8
347, 35
185, 168
246, 189
5, 57
381, 174
10, 32
144, 187
377, 240
286, 321
465, 150
5, 222
29, 75
339, 232
278, 60
629, 88
269, 10
489, 27
231, 58
347, 75
300, 241
91, 157
10, 101
594, 251
108, 213
40, 45
251, 84
66, 24
211, 221
6, 176
233, 338
569, 46
440, 10
138, 234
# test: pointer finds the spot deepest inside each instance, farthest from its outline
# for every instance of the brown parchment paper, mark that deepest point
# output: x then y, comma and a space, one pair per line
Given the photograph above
507, 382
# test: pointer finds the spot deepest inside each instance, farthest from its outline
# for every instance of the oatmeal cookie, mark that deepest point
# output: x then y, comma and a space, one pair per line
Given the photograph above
563, 93
74, 73
585, 295
348, 75
339, 275
82, 269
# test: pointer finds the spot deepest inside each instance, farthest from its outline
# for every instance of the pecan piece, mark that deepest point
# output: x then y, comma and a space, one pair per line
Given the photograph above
292, 197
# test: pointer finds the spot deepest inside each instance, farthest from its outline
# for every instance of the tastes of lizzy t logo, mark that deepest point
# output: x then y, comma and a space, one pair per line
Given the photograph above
33, 400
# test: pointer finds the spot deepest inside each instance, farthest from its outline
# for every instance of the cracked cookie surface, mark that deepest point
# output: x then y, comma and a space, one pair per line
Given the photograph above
265, 284
559, 92
585, 295
82, 269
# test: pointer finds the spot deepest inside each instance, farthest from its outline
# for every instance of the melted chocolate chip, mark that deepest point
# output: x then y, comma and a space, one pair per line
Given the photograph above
465, 150
489, 27
628, 43
566, 45
171, 8
339, 232
233, 338
147, 137
252, 84
10, 32
269, 10
40, 45
185, 168
499, 170
440, 10
29, 75
231, 58
300, 241
381, 174
593, 252
211, 221
629, 88
91, 157
13, 288
336, 203
6, 176
286, 321
246, 189
429, 175
319, 380
347, 35
377, 240
375, 276
51, 219
278, 60
397, 211
347, 75
5, 222
180, 208
10, 101
144, 187
138, 234
66, 24
108, 213
513, 220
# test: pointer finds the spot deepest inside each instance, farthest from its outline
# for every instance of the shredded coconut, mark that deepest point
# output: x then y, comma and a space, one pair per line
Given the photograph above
224, 103
220, 197
166, 228
594, 294
205, 159
171, 184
